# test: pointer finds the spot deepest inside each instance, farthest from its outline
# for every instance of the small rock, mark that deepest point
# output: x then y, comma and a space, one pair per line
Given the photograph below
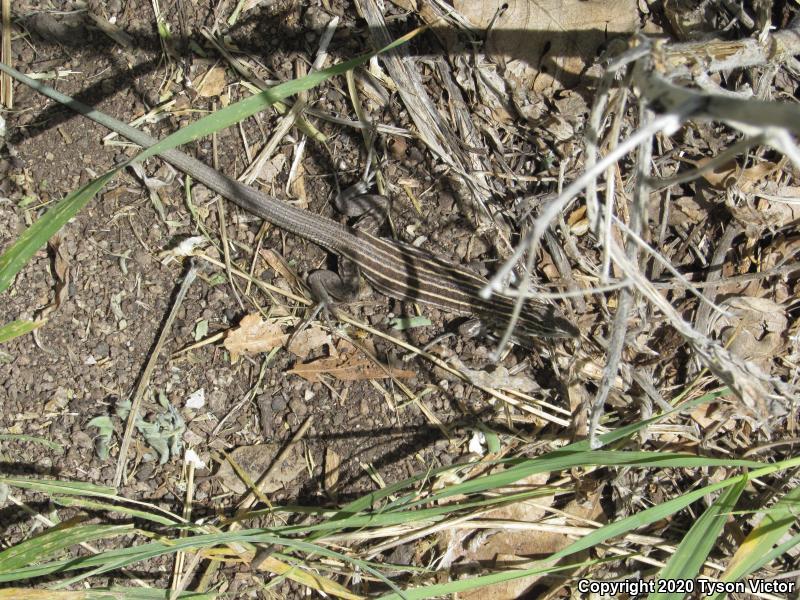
298, 407
217, 401
316, 18
145, 472
278, 403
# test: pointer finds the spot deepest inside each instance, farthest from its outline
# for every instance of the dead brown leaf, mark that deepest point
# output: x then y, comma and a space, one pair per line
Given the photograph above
754, 331
332, 463
577, 221
61, 272
212, 83
505, 544
751, 176
706, 415
689, 18
348, 366
307, 341
298, 186
721, 176
253, 335
780, 214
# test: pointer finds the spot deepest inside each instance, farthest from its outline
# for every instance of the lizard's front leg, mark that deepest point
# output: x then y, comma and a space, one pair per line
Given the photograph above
371, 212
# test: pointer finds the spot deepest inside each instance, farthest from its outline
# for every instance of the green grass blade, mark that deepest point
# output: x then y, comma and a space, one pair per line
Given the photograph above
758, 545
123, 593
14, 329
55, 541
112, 593
116, 508
36, 236
373, 498
56, 487
233, 114
695, 547
19, 437
559, 460
464, 585
777, 551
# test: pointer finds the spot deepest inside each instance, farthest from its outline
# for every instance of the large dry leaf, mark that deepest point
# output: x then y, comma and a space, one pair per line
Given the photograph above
61, 271
307, 341
547, 44
254, 335
212, 83
488, 547
515, 546
754, 331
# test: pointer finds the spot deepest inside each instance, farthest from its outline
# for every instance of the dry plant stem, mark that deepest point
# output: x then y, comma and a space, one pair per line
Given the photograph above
496, 356
703, 317
144, 381
711, 56
611, 179
6, 86
773, 120
595, 125
738, 11
425, 531
747, 277
625, 297
223, 229
262, 85
367, 131
667, 122
727, 155
502, 396
266, 287
565, 270
433, 130
600, 289
745, 380
289, 119
690, 286
247, 397
180, 557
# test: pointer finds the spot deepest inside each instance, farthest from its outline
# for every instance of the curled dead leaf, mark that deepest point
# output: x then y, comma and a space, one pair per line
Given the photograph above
510, 542
348, 366
754, 330
253, 335
333, 463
